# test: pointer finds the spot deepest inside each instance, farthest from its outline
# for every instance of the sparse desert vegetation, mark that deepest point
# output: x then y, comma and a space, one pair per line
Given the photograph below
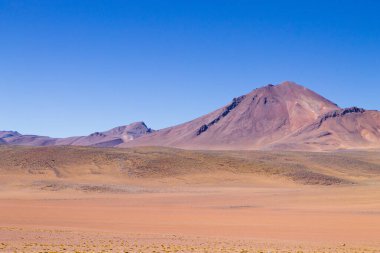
82, 199
156, 164
189, 126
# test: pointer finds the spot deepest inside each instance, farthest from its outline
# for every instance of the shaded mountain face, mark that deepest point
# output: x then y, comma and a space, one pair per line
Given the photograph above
286, 116
251, 121
108, 138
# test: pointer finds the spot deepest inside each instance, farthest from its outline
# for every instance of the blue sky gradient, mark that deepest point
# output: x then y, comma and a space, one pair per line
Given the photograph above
70, 67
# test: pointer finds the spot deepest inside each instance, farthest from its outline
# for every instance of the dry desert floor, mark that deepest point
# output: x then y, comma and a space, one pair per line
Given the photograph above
153, 200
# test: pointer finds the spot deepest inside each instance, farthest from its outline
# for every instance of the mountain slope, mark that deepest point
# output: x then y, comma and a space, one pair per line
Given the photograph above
58, 167
340, 129
286, 116
249, 122
108, 138
15, 138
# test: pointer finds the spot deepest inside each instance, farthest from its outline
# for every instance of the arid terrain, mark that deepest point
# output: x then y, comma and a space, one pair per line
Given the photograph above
83, 199
189, 126
286, 116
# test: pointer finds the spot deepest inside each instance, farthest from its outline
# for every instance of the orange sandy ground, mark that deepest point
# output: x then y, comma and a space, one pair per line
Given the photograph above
329, 217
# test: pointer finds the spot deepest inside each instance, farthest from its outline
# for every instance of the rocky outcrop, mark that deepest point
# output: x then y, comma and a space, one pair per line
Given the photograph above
228, 109
339, 113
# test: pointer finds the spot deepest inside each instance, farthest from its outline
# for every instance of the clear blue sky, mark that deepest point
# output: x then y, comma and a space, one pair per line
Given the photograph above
75, 67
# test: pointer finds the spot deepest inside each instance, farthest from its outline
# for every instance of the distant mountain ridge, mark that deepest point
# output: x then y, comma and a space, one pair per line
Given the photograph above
286, 116
110, 138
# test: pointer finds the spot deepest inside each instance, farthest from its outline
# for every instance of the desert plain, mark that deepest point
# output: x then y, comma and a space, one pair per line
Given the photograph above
152, 199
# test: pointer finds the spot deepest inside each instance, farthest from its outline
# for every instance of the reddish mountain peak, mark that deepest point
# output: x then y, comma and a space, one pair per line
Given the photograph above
293, 94
291, 84
285, 115
258, 118
282, 88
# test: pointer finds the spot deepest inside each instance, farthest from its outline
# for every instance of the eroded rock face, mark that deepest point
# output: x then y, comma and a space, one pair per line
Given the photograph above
340, 113
228, 109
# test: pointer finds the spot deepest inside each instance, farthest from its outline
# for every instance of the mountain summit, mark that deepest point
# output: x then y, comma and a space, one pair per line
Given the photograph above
251, 121
286, 116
